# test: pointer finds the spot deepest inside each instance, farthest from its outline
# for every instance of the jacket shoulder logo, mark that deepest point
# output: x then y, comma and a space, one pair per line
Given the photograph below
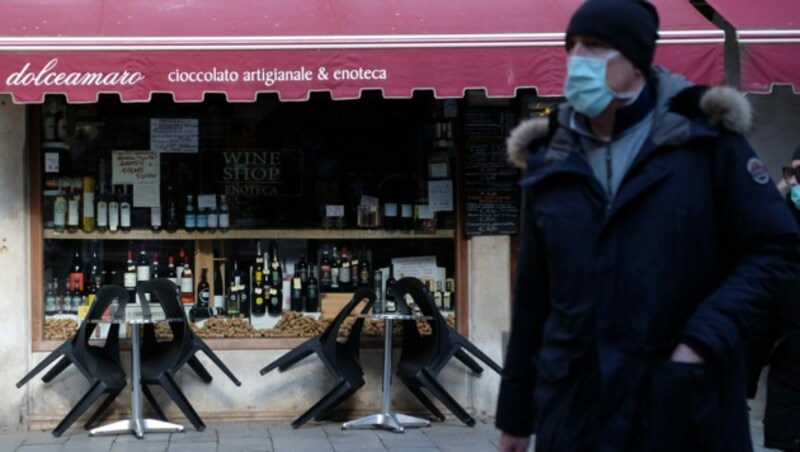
758, 171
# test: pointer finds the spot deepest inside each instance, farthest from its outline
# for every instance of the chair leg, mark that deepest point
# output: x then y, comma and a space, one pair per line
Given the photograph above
438, 391
57, 369
478, 353
153, 403
103, 406
86, 401
333, 403
180, 399
44, 363
199, 369
289, 358
324, 404
213, 356
424, 399
469, 362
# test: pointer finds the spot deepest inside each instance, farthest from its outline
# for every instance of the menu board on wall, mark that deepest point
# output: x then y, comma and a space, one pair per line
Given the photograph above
491, 183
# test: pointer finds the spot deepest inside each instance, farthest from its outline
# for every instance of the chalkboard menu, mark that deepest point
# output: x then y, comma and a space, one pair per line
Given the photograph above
491, 183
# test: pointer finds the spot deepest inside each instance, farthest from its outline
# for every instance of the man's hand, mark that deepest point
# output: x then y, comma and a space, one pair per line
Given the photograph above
510, 443
684, 354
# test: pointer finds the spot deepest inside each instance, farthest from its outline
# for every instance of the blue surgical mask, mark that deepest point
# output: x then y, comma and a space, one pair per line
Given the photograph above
585, 86
795, 195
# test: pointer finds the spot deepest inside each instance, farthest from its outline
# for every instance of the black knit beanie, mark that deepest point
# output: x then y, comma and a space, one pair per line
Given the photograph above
630, 26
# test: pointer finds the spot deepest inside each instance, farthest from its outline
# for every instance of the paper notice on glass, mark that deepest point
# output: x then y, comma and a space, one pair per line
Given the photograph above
173, 135
146, 195
421, 267
440, 195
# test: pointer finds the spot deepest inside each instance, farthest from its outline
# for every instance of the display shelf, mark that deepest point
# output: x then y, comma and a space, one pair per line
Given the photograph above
252, 234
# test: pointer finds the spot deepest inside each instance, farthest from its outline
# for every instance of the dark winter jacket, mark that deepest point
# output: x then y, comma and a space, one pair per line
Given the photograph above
695, 247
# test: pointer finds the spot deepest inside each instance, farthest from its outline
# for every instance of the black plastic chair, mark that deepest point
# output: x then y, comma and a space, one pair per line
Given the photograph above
424, 357
193, 344
100, 365
341, 359
159, 363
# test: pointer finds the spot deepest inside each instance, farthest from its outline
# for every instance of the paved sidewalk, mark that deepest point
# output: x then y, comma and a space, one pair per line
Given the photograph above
267, 436
279, 436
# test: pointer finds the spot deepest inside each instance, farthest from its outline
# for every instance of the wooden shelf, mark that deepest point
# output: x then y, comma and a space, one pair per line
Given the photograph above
248, 234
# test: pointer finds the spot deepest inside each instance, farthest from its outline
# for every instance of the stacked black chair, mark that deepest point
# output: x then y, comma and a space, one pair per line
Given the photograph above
100, 365
341, 359
423, 357
193, 344
159, 363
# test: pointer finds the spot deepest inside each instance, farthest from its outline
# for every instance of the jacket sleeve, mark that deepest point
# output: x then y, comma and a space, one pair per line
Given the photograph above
762, 237
515, 410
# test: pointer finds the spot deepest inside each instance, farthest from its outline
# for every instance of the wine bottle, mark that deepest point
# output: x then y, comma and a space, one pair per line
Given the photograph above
129, 278
259, 306
355, 265
189, 214
113, 212
301, 268
125, 207
50, 300
344, 270
76, 271
438, 296
155, 218
102, 211
449, 296
325, 271
76, 298
143, 267
336, 268
60, 208
73, 209
224, 214
296, 295
390, 305
156, 267
364, 270
312, 292
172, 273
203, 290
187, 283
219, 291
233, 306
173, 217
88, 213
202, 220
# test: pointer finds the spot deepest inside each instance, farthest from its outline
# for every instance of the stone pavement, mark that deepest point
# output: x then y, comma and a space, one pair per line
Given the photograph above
278, 436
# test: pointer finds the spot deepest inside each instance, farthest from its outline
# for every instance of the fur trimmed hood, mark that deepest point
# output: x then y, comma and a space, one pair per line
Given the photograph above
723, 106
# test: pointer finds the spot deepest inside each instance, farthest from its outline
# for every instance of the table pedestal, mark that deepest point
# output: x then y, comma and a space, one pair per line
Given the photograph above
137, 424
386, 419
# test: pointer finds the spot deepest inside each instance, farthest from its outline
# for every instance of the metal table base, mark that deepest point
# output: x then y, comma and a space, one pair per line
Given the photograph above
386, 419
137, 424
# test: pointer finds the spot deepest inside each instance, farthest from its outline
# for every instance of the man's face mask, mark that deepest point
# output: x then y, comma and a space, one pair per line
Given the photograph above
585, 86
795, 195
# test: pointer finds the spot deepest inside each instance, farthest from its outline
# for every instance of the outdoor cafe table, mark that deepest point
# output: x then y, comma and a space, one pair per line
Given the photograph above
136, 315
386, 419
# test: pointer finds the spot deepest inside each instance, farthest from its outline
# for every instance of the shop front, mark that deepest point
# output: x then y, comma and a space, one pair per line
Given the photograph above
270, 162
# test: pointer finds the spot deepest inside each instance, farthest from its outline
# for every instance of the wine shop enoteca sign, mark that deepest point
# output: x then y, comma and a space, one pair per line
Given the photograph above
254, 172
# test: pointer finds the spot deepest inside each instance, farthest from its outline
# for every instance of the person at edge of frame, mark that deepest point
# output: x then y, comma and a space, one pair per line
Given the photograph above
778, 345
652, 242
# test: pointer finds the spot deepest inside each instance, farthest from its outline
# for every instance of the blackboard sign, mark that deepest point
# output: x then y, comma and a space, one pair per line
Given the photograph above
491, 183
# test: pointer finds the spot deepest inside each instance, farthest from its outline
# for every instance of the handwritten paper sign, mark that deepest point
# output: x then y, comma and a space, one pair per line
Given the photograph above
142, 169
173, 135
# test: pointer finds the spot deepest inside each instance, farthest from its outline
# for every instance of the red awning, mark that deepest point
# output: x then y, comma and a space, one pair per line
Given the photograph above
190, 47
768, 34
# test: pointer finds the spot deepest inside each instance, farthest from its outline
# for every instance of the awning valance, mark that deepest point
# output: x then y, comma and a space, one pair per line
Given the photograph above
768, 34
187, 48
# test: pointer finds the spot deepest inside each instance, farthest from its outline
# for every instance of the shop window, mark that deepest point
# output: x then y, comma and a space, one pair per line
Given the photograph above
253, 199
